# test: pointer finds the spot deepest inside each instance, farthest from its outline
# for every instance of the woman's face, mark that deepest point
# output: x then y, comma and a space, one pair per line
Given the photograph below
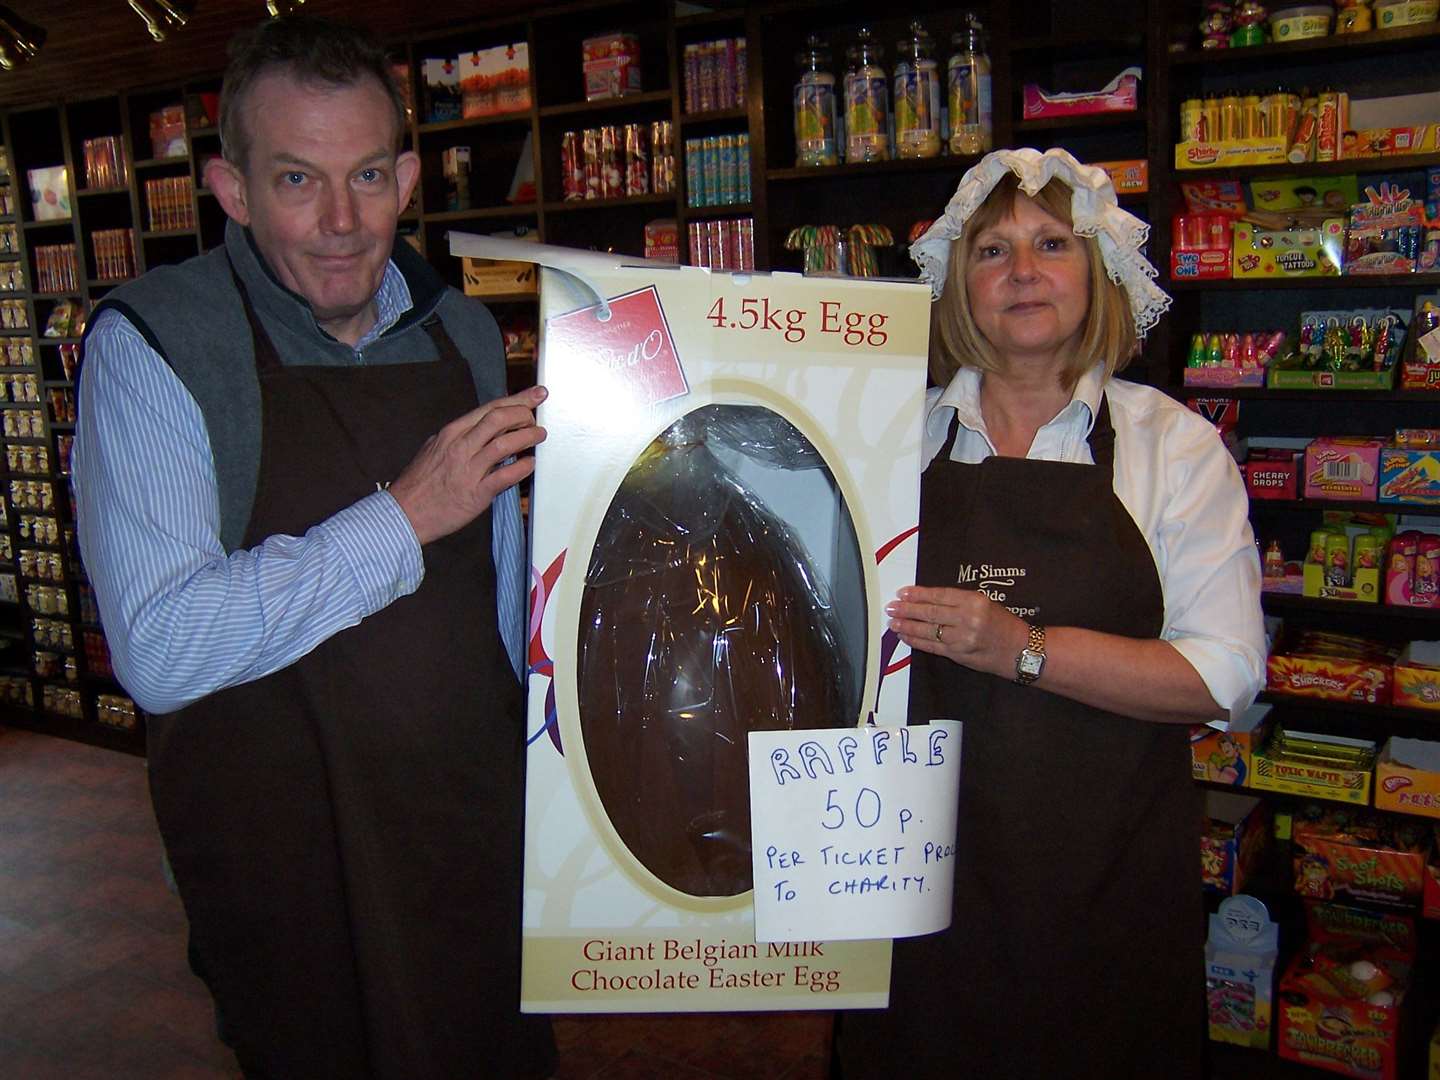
1029, 284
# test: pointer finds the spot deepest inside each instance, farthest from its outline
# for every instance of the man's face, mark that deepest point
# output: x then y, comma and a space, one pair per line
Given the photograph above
321, 191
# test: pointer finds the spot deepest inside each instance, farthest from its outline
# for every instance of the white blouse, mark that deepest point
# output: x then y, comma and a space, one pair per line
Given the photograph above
1180, 484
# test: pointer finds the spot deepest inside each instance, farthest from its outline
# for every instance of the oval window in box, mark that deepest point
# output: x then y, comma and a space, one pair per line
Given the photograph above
724, 594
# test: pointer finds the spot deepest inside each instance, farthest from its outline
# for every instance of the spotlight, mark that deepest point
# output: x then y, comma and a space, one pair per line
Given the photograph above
159, 14
19, 40
276, 8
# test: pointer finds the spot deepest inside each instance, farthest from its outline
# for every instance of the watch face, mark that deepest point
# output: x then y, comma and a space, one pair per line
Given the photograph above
1030, 663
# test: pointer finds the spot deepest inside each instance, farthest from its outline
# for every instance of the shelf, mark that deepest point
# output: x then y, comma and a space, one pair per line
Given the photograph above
61, 340
1339, 281
85, 193
482, 212
629, 101
505, 298
1355, 708
72, 295
1341, 504
701, 19
714, 116
1391, 163
105, 283
1134, 119
1070, 43
202, 132
726, 210
1256, 393
1281, 603
607, 204
439, 127
1346, 45
162, 234
159, 163
943, 163
51, 223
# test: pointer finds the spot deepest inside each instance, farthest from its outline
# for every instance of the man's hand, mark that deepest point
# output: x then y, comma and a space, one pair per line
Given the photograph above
458, 471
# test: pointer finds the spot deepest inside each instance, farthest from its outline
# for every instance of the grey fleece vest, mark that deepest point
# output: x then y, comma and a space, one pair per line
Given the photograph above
191, 314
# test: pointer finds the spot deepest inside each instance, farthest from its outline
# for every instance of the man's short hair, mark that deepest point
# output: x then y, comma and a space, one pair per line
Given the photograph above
310, 49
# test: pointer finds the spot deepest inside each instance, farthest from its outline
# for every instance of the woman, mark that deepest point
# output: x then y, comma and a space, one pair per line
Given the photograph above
1087, 586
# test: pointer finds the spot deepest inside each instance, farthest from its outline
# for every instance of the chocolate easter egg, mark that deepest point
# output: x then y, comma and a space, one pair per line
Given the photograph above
703, 618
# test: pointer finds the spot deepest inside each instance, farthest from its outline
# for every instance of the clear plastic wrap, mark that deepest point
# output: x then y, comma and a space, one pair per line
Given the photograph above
703, 618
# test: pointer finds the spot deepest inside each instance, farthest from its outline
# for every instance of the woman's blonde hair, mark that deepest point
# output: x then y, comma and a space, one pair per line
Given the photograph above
1107, 336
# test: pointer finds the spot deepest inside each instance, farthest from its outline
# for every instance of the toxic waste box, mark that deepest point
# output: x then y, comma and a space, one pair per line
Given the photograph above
726, 500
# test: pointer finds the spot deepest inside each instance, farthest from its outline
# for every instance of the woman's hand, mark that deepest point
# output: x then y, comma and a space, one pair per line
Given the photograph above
963, 625
1144, 678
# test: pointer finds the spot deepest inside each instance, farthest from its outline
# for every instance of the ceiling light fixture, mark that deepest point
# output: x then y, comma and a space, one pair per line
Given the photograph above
158, 14
19, 40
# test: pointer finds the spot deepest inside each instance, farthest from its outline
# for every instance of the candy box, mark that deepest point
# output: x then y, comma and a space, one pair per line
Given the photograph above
1211, 263
1332, 667
1129, 177
1410, 476
1417, 676
1240, 955
495, 81
1120, 94
1232, 839
1329, 1015
611, 64
1407, 775
1288, 253
1430, 893
1359, 855
441, 77
1280, 768
1220, 751
1272, 473
1335, 193
1342, 467
725, 453
1230, 154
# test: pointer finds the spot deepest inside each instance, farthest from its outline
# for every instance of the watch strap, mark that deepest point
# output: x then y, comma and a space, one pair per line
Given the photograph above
1031, 660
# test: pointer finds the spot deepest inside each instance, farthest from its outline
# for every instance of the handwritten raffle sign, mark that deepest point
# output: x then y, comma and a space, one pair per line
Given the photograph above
853, 831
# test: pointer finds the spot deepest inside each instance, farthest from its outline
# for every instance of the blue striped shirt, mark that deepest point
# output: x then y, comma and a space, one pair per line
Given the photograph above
183, 618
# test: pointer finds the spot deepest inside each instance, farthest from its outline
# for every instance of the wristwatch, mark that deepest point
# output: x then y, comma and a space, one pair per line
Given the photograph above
1031, 660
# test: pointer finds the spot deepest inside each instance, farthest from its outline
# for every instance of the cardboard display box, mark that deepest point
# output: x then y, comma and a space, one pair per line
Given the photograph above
1417, 676
1328, 1017
1222, 752
1314, 778
1359, 855
1240, 955
1410, 476
631, 822
1407, 777
1232, 840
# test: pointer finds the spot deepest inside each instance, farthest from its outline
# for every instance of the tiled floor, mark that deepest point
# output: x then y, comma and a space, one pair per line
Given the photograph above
93, 979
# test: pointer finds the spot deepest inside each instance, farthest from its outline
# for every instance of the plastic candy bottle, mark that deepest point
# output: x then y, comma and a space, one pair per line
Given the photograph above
867, 101
816, 123
917, 96
972, 121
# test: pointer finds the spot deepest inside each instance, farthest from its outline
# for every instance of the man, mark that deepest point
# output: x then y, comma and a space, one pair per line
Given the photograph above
308, 604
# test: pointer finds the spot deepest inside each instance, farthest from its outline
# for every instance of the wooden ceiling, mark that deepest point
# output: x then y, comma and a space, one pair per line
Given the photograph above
100, 47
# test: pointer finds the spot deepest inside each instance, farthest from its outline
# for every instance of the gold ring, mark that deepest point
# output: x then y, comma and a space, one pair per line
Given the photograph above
939, 632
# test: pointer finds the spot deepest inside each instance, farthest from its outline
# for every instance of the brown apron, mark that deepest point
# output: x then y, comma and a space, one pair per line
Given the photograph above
1076, 946
347, 832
